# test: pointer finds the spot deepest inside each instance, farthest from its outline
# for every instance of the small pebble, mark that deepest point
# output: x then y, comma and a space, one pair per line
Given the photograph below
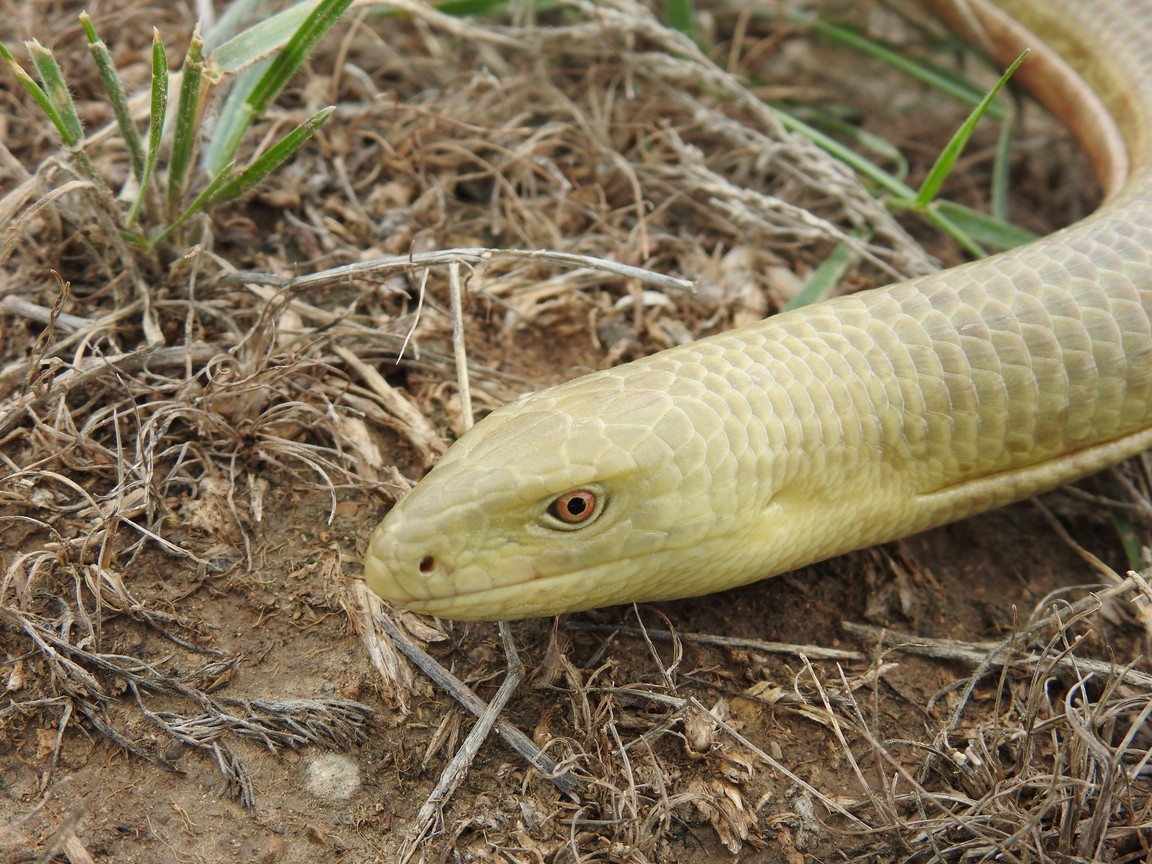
332, 777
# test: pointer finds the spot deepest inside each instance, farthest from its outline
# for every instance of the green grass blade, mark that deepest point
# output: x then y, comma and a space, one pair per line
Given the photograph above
314, 28
947, 159
187, 115
941, 81
54, 100
849, 157
825, 277
156, 117
480, 8
681, 15
234, 118
235, 15
941, 219
319, 21
260, 40
52, 82
196, 206
55, 88
274, 157
972, 230
1000, 165
876, 146
37, 93
982, 228
106, 67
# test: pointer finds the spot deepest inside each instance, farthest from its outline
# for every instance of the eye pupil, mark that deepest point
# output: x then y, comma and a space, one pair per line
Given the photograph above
575, 507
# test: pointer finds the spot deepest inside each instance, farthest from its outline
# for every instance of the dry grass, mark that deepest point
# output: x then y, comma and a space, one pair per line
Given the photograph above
162, 419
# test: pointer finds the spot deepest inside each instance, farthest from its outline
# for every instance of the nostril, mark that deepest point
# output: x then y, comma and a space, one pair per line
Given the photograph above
427, 564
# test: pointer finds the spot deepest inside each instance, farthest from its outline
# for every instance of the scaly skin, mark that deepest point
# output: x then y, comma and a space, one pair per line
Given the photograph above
823, 430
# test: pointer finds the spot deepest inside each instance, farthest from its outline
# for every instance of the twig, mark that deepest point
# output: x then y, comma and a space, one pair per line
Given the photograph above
724, 641
42, 314
988, 654
460, 691
62, 840
471, 255
455, 292
456, 770
383, 653
1099, 566
832, 806
82, 373
409, 419
340, 327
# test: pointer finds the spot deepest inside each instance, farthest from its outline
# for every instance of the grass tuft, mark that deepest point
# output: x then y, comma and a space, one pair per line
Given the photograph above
289, 37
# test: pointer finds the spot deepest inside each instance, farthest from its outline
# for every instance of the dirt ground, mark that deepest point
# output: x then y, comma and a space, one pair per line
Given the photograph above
191, 465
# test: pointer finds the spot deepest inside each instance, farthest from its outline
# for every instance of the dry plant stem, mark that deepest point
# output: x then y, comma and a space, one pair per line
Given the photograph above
838, 730
884, 805
816, 651
59, 841
410, 421
42, 314
1096, 564
473, 256
18, 210
421, 293
1145, 599
667, 670
747, 207
460, 691
76, 852
338, 326
432, 812
985, 655
455, 292
12, 411
920, 795
832, 806
367, 608
681, 705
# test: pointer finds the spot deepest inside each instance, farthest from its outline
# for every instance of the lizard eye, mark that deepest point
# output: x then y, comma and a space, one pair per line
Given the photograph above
575, 508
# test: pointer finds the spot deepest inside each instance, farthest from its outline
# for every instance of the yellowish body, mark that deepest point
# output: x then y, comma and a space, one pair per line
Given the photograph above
826, 429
